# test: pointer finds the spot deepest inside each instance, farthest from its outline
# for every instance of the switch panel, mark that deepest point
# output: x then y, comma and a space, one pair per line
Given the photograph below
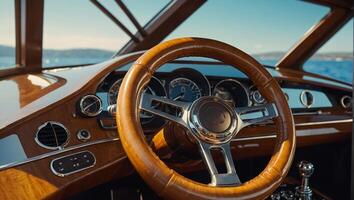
73, 163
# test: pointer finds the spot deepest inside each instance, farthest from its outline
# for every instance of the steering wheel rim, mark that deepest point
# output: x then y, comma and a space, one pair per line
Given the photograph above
165, 181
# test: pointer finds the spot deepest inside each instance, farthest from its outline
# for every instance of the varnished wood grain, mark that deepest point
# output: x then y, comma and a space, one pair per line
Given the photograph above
36, 181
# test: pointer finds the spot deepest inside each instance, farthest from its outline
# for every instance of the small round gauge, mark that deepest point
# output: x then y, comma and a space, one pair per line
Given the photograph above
257, 97
183, 89
90, 105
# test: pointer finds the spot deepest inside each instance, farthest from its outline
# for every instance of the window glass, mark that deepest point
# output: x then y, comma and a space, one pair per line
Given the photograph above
7, 34
78, 32
145, 10
335, 58
264, 29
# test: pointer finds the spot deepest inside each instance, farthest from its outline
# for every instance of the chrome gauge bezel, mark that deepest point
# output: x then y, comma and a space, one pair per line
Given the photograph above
302, 98
89, 114
255, 99
343, 99
238, 83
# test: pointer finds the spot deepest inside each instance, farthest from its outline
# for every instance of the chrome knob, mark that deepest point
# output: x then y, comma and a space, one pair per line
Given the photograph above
306, 169
304, 191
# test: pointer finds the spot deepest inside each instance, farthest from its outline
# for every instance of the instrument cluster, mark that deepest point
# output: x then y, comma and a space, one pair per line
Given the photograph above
187, 85
182, 84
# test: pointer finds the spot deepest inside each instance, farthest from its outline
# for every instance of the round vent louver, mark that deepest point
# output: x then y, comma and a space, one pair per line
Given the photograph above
52, 135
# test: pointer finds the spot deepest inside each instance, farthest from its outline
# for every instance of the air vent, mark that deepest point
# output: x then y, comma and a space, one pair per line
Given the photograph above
52, 135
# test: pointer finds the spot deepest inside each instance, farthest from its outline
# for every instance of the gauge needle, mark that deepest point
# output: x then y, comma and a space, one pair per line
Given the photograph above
179, 96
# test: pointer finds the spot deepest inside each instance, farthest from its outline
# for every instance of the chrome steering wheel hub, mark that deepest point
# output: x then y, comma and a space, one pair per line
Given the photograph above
212, 120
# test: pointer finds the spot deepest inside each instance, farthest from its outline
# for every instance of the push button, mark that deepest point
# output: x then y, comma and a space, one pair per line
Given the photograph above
83, 135
72, 163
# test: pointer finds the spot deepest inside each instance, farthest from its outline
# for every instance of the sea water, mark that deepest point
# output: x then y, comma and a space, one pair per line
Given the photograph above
337, 69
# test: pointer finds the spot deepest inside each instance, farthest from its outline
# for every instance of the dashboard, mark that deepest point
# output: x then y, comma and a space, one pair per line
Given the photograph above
54, 118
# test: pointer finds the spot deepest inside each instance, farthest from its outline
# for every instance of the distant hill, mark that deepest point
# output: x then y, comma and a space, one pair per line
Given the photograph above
78, 53
319, 56
7, 51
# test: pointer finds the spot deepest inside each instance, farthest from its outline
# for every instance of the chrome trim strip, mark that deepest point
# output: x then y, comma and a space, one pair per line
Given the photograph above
53, 153
319, 112
325, 122
254, 138
316, 131
72, 172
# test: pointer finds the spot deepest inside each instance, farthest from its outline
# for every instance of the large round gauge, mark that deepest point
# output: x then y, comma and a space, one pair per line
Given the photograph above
233, 92
113, 92
154, 87
183, 89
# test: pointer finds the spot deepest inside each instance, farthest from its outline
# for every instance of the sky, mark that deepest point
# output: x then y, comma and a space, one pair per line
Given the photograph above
255, 26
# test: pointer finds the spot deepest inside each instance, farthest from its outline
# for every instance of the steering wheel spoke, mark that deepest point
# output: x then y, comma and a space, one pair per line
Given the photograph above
219, 179
148, 104
256, 114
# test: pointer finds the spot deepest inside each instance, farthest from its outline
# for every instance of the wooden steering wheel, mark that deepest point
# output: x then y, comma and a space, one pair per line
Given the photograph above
210, 121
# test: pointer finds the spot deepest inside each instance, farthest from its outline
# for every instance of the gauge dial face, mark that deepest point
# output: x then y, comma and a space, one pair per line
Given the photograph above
183, 89
232, 92
113, 92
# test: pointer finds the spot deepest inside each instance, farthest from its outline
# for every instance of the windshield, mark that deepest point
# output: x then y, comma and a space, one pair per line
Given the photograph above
7, 34
335, 58
85, 34
264, 29
259, 27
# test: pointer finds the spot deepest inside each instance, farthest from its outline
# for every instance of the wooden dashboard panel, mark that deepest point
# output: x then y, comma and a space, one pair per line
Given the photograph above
35, 180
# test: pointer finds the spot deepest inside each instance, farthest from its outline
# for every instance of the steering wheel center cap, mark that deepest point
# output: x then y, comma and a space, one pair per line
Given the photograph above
214, 117
212, 120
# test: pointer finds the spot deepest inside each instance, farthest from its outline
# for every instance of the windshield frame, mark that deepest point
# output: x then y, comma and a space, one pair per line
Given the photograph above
315, 38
